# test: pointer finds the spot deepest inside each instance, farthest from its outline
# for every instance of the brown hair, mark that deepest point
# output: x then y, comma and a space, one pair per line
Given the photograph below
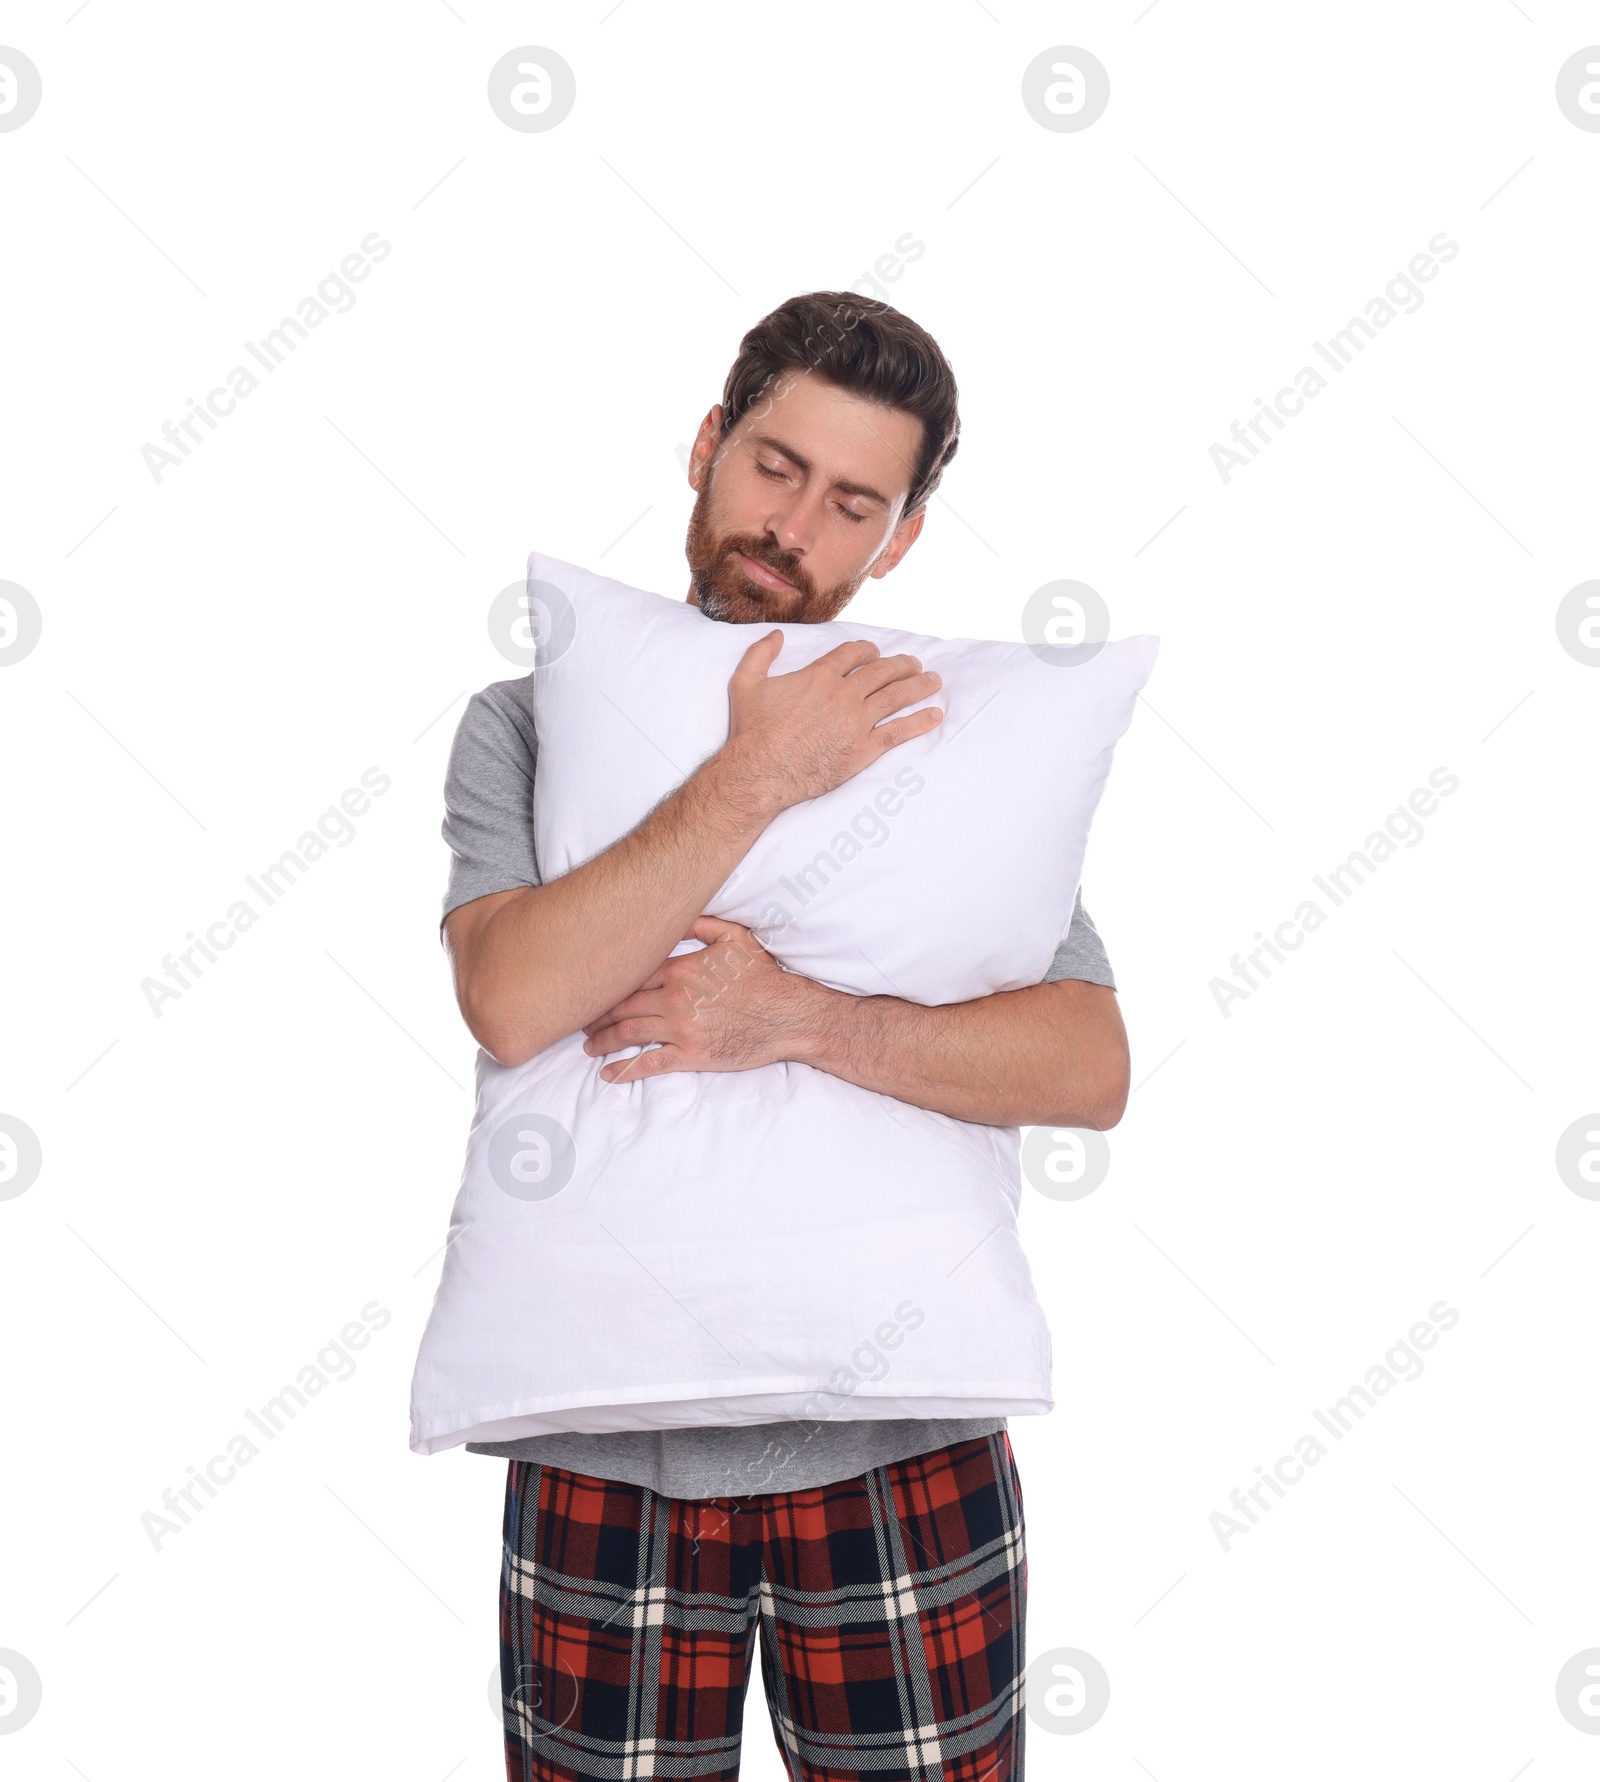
865, 347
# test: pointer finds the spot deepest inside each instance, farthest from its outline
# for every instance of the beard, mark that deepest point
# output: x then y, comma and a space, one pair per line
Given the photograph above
723, 591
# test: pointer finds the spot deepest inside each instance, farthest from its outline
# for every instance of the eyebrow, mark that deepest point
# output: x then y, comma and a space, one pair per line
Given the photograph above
794, 457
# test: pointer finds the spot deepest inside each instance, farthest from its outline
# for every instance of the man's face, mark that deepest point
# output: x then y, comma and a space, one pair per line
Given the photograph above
799, 504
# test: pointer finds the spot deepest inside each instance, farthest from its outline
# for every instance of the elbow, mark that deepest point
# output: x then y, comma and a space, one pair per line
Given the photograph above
506, 1005
1111, 1102
1096, 1101
1108, 1111
1097, 1114
505, 1050
509, 1048
500, 1045
508, 1039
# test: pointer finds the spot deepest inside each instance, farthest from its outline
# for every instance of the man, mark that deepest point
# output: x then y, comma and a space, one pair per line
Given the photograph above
639, 1566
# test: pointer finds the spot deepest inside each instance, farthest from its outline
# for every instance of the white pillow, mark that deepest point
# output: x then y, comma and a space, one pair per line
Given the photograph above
744, 1247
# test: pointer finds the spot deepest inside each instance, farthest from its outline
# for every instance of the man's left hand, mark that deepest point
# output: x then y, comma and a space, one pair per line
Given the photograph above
1050, 1054
727, 1006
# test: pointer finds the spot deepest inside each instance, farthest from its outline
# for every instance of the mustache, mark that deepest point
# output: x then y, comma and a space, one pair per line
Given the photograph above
780, 562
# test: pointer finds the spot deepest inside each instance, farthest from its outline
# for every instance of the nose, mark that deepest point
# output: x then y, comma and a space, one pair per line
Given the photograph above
792, 527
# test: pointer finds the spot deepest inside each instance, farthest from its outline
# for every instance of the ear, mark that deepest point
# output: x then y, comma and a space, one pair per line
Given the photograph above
705, 447
905, 536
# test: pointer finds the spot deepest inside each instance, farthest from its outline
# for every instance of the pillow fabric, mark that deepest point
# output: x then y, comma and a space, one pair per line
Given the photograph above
752, 1246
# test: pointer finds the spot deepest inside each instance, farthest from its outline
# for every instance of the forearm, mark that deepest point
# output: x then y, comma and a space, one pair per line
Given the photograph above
552, 957
1050, 1054
535, 964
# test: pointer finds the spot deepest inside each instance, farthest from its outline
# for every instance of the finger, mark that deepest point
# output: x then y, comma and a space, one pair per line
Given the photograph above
637, 1030
642, 1002
648, 1064
845, 657
761, 655
899, 694
873, 675
656, 981
713, 928
899, 730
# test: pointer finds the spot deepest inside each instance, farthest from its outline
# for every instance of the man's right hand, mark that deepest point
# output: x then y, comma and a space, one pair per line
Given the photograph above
794, 736
534, 965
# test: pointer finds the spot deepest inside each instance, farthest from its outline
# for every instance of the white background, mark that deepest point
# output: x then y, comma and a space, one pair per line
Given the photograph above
225, 651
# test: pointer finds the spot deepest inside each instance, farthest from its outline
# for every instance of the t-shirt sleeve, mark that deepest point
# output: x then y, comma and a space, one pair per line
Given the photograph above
1081, 954
488, 798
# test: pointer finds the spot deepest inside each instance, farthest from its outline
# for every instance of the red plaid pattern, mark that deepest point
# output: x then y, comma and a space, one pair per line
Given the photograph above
889, 1610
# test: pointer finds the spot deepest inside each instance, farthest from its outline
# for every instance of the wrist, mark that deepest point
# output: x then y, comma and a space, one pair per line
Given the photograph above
819, 1024
738, 789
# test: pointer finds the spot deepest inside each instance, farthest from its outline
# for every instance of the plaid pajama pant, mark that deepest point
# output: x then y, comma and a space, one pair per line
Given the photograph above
890, 1609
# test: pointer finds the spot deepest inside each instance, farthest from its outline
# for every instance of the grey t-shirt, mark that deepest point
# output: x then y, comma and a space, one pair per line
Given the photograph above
488, 823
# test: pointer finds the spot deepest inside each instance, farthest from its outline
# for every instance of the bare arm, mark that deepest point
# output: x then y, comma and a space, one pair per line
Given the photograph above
532, 965
535, 964
1047, 1055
